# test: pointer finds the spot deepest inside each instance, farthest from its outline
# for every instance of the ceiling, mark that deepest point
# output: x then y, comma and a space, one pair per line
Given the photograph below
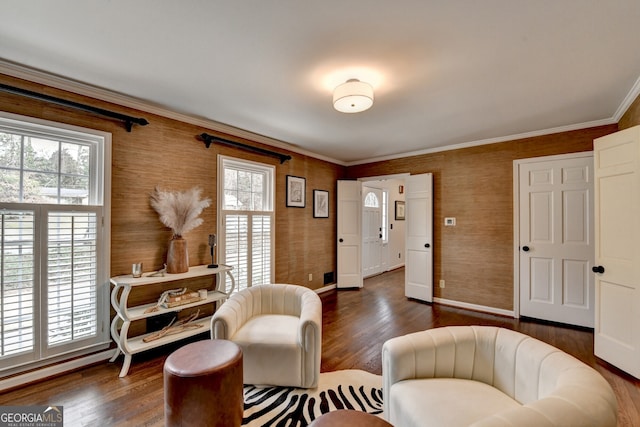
445, 73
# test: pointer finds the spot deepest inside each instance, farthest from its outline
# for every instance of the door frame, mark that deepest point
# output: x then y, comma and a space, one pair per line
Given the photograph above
516, 216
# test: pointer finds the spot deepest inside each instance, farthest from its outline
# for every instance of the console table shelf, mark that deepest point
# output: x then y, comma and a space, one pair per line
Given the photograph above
122, 287
136, 344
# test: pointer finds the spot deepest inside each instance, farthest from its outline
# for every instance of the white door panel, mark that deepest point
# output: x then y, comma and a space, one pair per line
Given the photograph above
541, 280
415, 286
556, 240
349, 244
617, 236
419, 237
576, 276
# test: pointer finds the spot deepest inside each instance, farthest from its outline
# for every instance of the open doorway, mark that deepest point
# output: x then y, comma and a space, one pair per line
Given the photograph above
410, 234
383, 225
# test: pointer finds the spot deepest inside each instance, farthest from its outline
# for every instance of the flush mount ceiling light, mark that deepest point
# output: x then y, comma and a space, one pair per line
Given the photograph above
353, 96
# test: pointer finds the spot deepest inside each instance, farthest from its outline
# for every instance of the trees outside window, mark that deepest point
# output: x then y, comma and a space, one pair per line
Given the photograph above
247, 220
54, 241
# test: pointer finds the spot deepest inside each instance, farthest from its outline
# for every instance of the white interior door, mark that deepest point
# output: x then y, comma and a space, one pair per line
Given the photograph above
617, 254
372, 231
349, 234
556, 239
419, 237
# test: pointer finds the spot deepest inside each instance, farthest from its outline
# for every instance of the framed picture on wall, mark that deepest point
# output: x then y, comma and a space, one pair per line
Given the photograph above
295, 192
320, 204
399, 210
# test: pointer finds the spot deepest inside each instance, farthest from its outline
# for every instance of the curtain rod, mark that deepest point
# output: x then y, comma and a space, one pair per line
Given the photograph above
129, 121
208, 139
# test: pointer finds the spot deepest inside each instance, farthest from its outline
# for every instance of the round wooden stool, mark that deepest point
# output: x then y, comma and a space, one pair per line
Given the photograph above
349, 418
203, 385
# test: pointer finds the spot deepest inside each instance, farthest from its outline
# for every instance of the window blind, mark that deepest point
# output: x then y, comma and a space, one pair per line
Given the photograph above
17, 276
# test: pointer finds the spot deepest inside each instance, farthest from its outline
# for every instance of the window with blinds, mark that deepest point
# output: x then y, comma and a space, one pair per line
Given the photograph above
71, 277
246, 217
54, 242
17, 301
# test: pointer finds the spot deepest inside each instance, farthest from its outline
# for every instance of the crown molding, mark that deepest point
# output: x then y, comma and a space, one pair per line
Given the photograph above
628, 100
488, 141
631, 96
63, 83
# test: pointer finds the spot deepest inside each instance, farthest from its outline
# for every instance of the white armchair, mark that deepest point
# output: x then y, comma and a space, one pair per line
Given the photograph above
279, 329
484, 376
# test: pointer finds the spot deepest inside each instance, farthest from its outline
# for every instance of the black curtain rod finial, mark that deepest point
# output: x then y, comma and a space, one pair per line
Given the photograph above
206, 138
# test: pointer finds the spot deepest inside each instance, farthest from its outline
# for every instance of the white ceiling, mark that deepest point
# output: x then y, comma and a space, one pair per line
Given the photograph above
445, 72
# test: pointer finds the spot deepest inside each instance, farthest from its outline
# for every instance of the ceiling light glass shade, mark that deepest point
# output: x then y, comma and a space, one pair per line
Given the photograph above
353, 96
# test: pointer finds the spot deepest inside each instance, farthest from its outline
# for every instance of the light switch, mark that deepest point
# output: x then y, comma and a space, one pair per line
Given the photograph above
449, 222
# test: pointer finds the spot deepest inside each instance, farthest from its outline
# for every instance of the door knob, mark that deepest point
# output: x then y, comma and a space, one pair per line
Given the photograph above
341, 240
426, 245
597, 269
525, 248
380, 236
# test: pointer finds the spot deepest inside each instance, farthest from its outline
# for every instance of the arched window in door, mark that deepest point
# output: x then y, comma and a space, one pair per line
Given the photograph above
371, 201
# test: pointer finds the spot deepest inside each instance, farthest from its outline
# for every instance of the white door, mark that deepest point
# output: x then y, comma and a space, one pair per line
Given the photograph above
556, 239
372, 232
419, 237
617, 238
349, 234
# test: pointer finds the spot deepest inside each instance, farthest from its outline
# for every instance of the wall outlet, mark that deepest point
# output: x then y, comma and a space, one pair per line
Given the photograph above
442, 283
310, 277
449, 222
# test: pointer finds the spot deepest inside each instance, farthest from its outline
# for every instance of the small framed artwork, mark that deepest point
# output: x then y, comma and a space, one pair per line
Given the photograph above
320, 204
399, 210
295, 192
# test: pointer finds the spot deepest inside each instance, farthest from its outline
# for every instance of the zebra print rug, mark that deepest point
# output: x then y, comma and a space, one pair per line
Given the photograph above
296, 407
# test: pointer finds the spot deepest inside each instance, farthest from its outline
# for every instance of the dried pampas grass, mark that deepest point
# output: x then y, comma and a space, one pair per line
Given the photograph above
179, 210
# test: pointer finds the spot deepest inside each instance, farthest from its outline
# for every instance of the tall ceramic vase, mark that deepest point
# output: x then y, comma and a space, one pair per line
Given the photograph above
177, 256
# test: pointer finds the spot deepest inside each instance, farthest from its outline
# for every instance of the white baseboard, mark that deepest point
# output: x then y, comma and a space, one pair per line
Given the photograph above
58, 368
475, 307
325, 289
395, 267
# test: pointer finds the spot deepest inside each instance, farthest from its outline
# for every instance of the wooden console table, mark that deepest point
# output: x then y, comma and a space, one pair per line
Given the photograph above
125, 315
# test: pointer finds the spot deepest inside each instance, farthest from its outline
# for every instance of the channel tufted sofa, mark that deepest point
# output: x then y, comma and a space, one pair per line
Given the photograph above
485, 376
279, 329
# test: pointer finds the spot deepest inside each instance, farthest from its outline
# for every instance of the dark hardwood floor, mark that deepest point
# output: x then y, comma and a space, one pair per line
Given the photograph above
355, 325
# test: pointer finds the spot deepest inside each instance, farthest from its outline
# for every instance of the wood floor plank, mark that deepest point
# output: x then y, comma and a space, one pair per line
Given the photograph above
355, 325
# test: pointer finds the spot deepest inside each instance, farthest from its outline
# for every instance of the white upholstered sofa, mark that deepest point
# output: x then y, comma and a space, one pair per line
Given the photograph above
484, 376
279, 329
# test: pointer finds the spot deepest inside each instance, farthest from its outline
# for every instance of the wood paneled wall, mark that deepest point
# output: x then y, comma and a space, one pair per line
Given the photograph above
475, 185
632, 116
306, 245
166, 153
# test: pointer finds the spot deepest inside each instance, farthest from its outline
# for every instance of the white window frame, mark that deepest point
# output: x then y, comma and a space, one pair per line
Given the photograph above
100, 203
269, 210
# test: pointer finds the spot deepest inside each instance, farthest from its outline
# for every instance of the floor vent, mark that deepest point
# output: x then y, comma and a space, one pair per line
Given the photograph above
328, 278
